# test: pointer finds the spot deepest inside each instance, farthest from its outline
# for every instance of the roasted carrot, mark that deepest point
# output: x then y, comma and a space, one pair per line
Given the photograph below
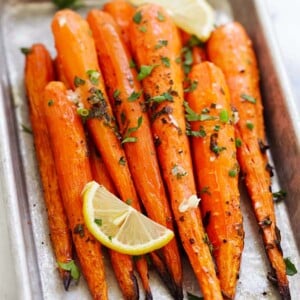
125, 274
121, 84
122, 12
70, 153
231, 49
60, 73
38, 73
163, 89
82, 71
217, 169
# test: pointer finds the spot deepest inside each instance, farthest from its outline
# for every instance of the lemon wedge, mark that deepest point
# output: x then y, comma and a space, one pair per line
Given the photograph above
193, 16
119, 226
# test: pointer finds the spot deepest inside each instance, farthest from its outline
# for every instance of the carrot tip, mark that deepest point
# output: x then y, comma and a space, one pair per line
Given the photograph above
148, 295
67, 279
284, 291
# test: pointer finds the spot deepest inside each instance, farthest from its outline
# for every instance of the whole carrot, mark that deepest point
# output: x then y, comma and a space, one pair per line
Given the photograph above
70, 151
38, 73
231, 49
121, 82
217, 170
79, 60
157, 50
122, 264
122, 12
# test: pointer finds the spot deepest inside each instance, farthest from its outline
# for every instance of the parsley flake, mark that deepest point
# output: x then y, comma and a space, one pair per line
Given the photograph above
128, 138
290, 267
248, 98
78, 81
72, 267
93, 76
145, 71
26, 51
134, 96
161, 43
166, 61
137, 18
160, 17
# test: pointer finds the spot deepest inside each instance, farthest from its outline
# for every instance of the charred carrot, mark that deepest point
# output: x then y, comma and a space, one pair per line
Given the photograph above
121, 82
122, 264
69, 148
122, 12
82, 72
230, 48
38, 73
217, 170
162, 85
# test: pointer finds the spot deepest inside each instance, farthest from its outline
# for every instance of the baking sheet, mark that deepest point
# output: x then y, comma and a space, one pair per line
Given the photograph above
26, 23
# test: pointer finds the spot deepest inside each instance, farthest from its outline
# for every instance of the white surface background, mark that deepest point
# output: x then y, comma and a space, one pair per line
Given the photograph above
285, 20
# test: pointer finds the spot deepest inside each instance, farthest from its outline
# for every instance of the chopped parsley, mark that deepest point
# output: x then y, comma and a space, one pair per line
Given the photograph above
26, 129
248, 98
166, 61
160, 17
98, 222
93, 76
217, 128
134, 96
224, 116
26, 51
163, 97
71, 267
214, 147
161, 43
116, 94
249, 125
145, 71
78, 81
132, 64
280, 195
131, 139
137, 18
290, 267
50, 102
143, 28
238, 142
128, 201
193, 116
192, 86
122, 161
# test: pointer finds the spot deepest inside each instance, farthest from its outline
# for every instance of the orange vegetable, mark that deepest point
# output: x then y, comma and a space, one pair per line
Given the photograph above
38, 73
162, 86
122, 264
67, 139
82, 71
217, 170
140, 151
231, 49
122, 12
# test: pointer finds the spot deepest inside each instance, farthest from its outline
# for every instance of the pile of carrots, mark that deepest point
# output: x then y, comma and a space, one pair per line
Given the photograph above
159, 119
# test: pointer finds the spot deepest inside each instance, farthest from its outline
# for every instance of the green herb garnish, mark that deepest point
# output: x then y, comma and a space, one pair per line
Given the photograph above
145, 71
78, 81
249, 125
128, 138
98, 222
134, 96
224, 116
166, 61
248, 98
26, 51
93, 76
137, 18
160, 17
71, 267
290, 267
161, 43
238, 142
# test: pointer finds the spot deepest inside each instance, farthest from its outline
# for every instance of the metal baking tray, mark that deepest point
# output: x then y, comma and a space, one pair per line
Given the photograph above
24, 23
